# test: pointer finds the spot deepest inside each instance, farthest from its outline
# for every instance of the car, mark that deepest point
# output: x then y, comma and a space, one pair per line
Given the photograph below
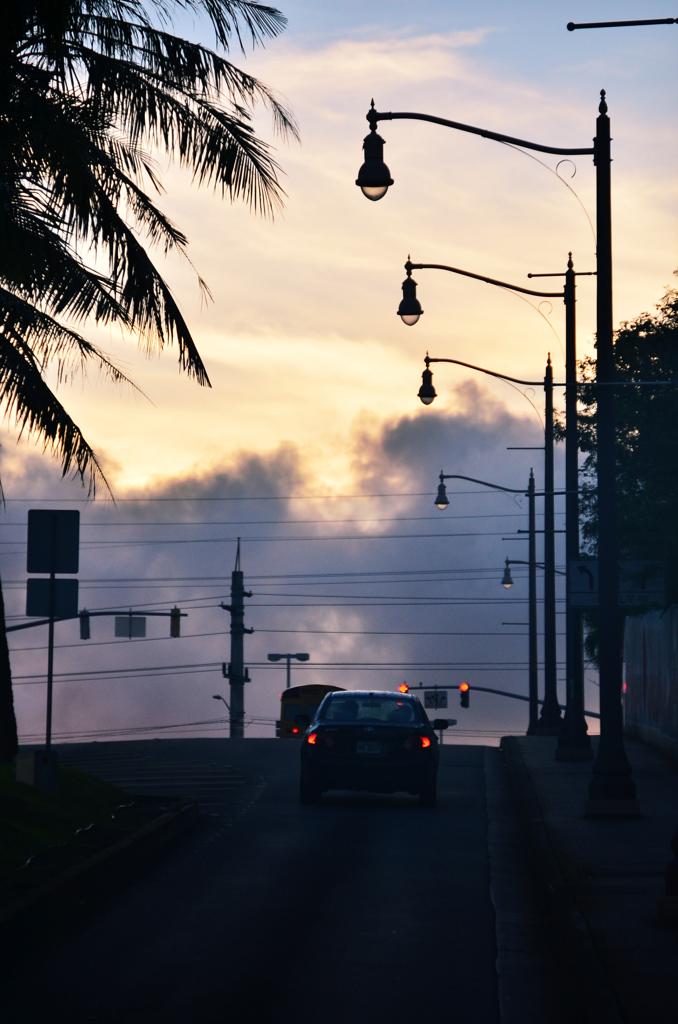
377, 741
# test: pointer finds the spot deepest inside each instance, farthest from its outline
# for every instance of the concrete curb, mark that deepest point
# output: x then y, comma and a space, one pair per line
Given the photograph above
74, 887
596, 1002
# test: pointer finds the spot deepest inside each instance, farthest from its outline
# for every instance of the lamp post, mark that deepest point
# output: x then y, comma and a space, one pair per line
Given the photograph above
441, 502
550, 720
612, 789
288, 659
573, 742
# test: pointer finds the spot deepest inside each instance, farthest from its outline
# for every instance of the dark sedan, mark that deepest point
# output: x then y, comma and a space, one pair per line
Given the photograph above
376, 741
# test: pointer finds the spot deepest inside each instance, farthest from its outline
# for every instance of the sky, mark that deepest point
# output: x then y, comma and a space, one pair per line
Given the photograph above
312, 428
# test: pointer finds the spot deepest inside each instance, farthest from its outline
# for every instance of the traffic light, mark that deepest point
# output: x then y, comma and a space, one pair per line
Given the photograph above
403, 687
175, 622
84, 625
464, 694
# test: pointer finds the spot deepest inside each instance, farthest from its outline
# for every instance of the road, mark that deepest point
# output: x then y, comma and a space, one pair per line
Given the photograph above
365, 908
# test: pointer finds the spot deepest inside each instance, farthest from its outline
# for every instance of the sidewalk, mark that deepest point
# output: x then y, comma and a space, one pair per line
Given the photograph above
601, 880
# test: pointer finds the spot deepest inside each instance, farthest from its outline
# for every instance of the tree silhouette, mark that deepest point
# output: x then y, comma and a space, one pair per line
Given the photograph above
90, 90
646, 349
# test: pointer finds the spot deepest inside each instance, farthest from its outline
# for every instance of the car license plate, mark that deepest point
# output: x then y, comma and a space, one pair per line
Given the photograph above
368, 747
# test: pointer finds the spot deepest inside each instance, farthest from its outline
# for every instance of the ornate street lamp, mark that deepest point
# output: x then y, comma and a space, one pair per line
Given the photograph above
507, 579
427, 392
550, 721
374, 177
612, 789
409, 309
533, 676
573, 740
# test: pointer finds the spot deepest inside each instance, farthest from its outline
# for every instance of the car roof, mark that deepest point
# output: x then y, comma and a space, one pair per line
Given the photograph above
373, 693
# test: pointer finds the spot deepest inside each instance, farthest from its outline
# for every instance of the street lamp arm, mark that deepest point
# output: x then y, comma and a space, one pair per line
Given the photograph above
538, 565
571, 26
479, 277
374, 116
556, 383
485, 483
490, 373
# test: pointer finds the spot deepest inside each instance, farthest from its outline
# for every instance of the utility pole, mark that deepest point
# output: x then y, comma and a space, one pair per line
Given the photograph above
574, 743
550, 718
236, 673
533, 688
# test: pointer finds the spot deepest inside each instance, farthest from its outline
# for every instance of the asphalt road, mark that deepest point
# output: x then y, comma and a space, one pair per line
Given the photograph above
363, 909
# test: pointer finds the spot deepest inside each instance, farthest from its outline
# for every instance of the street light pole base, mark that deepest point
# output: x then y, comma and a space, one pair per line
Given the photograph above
612, 809
574, 754
549, 728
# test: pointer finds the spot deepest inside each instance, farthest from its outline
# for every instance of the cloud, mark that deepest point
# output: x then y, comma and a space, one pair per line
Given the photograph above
369, 580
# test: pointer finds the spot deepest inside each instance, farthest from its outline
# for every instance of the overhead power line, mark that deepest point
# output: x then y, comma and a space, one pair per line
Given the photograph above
86, 645
100, 545
243, 497
290, 522
108, 675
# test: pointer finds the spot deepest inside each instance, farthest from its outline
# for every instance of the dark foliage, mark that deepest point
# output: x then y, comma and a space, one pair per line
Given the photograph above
646, 350
89, 90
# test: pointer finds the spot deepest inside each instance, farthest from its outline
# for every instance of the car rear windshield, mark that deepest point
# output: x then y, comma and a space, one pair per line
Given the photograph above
386, 710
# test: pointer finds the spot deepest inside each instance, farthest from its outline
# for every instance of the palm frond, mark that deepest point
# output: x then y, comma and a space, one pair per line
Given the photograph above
51, 342
33, 408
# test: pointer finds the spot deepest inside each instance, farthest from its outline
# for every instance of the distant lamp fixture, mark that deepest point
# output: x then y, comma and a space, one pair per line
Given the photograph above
287, 658
409, 309
441, 498
374, 177
427, 392
507, 580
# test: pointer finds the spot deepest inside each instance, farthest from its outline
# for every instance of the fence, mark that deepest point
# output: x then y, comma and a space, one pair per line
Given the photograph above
651, 663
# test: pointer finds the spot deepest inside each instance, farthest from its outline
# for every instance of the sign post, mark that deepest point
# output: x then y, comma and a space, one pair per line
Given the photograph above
53, 547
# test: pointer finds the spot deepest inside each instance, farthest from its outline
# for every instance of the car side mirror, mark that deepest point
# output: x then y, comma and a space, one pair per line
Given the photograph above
440, 723
303, 721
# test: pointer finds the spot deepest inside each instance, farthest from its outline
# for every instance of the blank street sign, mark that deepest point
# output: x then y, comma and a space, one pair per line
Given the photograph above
53, 540
65, 598
435, 698
640, 583
130, 626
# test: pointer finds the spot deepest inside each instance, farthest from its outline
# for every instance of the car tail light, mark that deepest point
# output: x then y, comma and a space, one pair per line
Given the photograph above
416, 742
312, 738
295, 729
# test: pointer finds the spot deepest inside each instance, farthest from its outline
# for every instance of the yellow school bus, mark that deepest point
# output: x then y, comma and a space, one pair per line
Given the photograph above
299, 700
